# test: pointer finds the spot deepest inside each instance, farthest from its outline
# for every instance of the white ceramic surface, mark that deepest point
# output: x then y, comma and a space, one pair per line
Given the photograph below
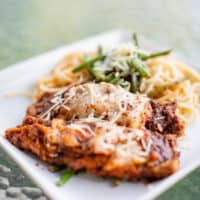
21, 77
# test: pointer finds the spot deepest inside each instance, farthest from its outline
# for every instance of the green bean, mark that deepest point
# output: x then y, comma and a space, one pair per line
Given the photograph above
139, 67
135, 39
133, 83
109, 77
66, 176
125, 85
96, 74
115, 81
89, 63
100, 50
154, 55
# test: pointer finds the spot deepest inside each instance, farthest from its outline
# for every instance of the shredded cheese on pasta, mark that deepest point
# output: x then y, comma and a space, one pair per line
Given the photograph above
163, 71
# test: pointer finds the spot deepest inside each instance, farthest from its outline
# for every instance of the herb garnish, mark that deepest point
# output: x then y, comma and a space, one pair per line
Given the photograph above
124, 67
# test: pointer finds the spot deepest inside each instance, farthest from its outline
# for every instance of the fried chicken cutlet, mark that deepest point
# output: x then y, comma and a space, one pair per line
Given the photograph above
104, 130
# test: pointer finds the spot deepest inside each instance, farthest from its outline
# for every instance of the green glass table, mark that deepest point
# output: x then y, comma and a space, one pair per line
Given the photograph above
28, 28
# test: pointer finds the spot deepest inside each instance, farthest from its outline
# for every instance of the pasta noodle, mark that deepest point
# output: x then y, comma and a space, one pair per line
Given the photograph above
169, 78
185, 92
62, 75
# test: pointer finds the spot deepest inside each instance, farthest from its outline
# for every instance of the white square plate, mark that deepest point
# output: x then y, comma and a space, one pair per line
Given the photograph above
21, 77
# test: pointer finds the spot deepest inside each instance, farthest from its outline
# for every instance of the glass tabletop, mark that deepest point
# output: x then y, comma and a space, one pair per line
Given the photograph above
28, 28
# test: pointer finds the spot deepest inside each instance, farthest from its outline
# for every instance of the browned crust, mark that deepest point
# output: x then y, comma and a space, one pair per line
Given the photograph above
32, 137
160, 125
164, 119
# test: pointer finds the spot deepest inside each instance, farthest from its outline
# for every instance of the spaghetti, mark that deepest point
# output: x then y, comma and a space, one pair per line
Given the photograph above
169, 80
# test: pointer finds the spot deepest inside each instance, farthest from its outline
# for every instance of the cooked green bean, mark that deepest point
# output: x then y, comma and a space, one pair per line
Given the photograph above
135, 39
156, 54
139, 67
96, 74
89, 63
66, 176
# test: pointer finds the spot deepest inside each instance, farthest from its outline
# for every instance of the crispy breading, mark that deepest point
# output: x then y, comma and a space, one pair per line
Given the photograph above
99, 147
102, 129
